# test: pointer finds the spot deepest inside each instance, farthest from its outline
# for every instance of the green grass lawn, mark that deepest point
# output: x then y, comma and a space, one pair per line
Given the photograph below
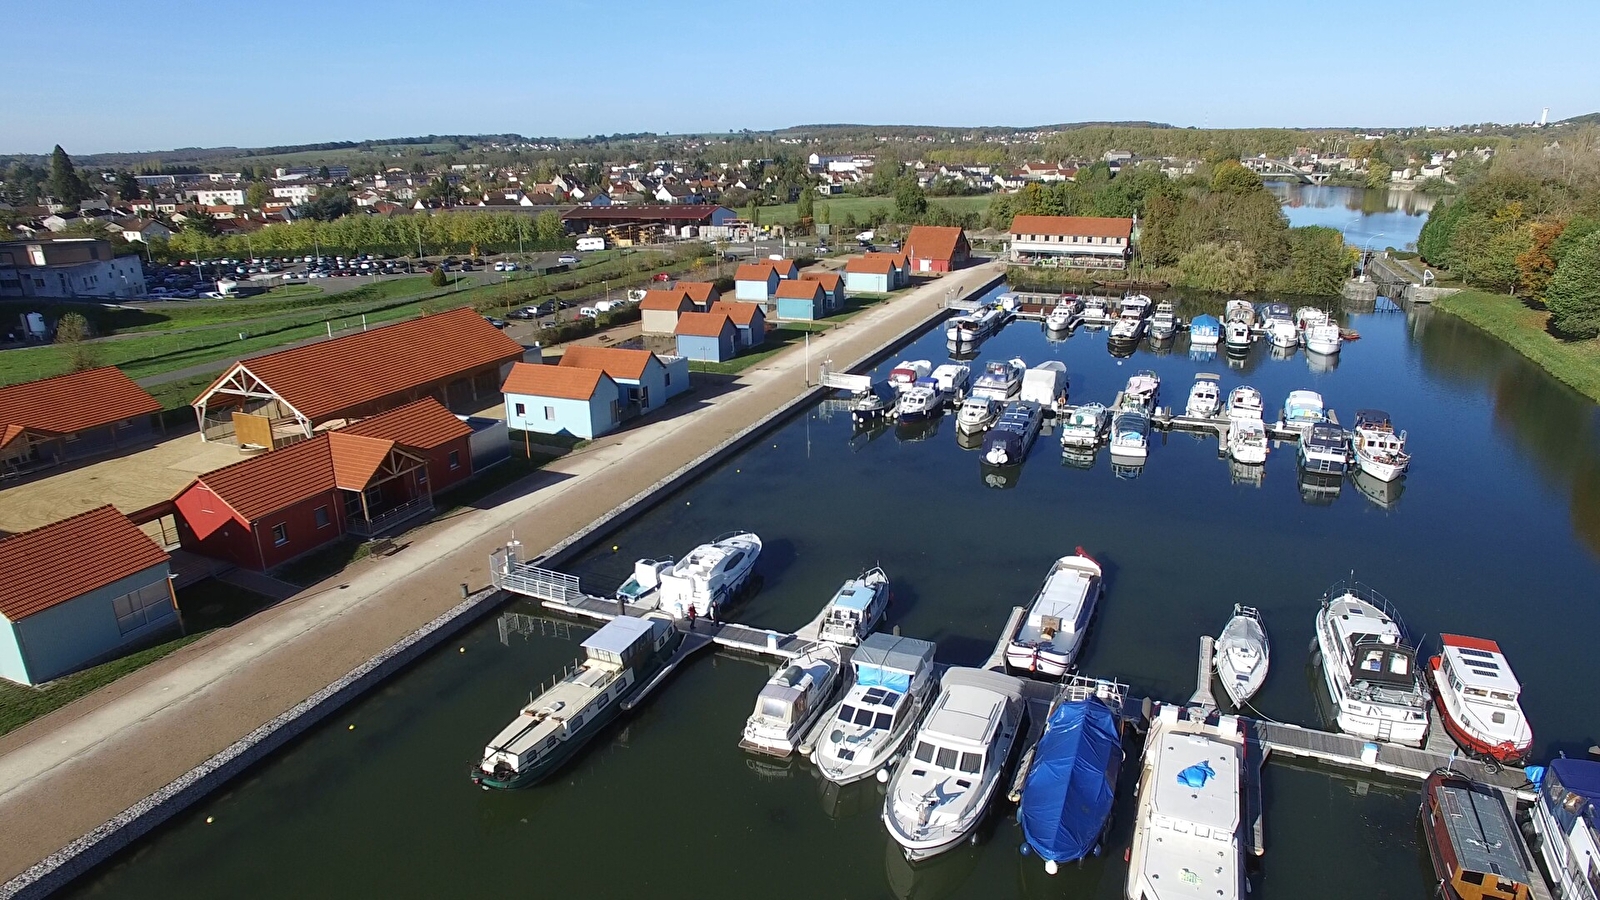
20, 705
1576, 363
861, 208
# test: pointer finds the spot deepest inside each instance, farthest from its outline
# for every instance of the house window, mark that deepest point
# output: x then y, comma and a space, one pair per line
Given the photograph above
422, 477
455, 459
142, 607
280, 534
549, 413
521, 410
323, 519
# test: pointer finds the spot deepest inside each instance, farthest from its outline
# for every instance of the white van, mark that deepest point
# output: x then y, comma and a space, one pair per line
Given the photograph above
591, 243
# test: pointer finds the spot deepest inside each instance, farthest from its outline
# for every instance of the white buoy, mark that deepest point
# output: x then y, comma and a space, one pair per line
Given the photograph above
883, 776
1050, 867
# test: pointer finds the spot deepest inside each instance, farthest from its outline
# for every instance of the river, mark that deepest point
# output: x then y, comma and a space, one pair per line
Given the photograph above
1496, 532
1368, 218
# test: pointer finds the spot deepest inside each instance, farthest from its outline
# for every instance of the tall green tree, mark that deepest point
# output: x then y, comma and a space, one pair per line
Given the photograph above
65, 185
803, 207
910, 203
256, 194
128, 187
1574, 293
753, 212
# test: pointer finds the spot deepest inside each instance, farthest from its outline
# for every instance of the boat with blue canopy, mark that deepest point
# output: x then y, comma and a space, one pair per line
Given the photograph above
856, 608
1071, 783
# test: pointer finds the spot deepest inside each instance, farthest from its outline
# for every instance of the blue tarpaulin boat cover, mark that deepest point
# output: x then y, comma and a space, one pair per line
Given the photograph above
1197, 775
888, 660
1072, 782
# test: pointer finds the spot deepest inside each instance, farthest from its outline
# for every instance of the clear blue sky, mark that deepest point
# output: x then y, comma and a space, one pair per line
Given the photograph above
102, 76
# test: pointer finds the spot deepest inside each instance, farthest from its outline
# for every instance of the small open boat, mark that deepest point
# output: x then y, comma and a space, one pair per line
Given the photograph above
1242, 654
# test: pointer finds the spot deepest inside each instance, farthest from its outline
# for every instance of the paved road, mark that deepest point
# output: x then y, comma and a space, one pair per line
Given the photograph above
67, 773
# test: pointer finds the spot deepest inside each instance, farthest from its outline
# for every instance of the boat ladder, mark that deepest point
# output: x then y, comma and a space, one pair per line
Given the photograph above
1385, 730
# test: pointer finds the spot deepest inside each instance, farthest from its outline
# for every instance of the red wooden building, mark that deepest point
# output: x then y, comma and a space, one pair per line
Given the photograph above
937, 248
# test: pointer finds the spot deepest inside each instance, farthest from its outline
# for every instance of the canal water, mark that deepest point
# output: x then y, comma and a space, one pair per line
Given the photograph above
1496, 532
1367, 217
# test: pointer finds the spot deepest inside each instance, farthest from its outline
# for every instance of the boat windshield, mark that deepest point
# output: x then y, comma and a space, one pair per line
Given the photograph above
949, 759
631, 589
865, 717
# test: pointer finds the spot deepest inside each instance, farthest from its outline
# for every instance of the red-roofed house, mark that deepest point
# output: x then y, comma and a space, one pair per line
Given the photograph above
703, 293
937, 248
362, 480
267, 401
832, 283
79, 592
755, 281
658, 311
647, 381
801, 300
749, 318
707, 336
45, 422
1078, 242
876, 273
570, 400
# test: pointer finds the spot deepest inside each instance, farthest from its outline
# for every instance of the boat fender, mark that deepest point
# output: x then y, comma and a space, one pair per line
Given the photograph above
1050, 867
883, 775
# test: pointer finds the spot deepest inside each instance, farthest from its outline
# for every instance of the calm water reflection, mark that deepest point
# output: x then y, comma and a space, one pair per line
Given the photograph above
1376, 218
1495, 533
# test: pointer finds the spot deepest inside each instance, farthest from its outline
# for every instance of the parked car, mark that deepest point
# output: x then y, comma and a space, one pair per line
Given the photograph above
567, 260
589, 312
661, 276
498, 323
526, 312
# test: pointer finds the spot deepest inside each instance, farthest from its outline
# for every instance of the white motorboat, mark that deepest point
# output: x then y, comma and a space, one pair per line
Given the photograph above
710, 577
870, 406
1130, 435
1141, 392
1064, 316
1084, 426
1126, 331
1477, 697
976, 325
1095, 312
1247, 441
922, 400
976, 414
1318, 331
1135, 306
1046, 385
1301, 411
642, 587
1048, 638
1205, 397
856, 608
1244, 402
1000, 379
1380, 451
1238, 324
908, 372
1567, 821
1370, 667
792, 700
1008, 442
1325, 450
1242, 654
952, 379
894, 681
1164, 321
1279, 324
1186, 833
940, 793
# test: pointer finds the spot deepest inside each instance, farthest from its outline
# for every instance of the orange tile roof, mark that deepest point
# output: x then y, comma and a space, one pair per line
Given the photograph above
785, 267
706, 324
830, 281
565, 382
899, 258
867, 265
614, 361
701, 292
323, 379
9, 433
754, 272
356, 458
798, 290
66, 559
274, 480
934, 241
742, 314
422, 425
675, 300
76, 402
1085, 226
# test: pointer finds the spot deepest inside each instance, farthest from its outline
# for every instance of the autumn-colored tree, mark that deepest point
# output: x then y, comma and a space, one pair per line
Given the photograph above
1535, 265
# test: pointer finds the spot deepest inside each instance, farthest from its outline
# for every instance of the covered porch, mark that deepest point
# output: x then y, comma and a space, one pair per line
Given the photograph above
381, 485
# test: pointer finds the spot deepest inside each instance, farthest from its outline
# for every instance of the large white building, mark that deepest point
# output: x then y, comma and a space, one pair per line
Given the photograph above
68, 267
1072, 242
230, 196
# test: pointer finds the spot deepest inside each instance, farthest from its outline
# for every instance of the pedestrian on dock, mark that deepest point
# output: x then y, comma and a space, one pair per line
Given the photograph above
691, 617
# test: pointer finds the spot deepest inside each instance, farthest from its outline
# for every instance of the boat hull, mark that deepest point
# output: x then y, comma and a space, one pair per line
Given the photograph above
1505, 752
549, 765
1038, 660
1324, 346
1086, 440
1380, 470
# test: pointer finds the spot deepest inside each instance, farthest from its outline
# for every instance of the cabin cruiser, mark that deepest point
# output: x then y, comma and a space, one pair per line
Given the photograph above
1281, 330
1048, 638
1566, 820
1008, 442
856, 608
922, 400
710, 576
1238, 322
1244, 402
1136, 306
894, 681
1318, 331
1070, 784
1205, 331
940, 793
640, 590
870, 406
1141, 392
1325, 450
1095, 312
1380, 451
1000, 380
976, 414
1242, 654
792, 700
1473, 841
1301, 411
624, 654
1130, 436
976, 325
1370, 667
1130, 324
952, 379
1247, 441
908, 372
1476, 694
1084, 426
1205, 397
1164, 322
1046, 385
1064, 316
1186, 841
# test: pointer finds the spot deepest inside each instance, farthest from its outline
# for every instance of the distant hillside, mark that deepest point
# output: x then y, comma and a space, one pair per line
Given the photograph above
1588, 119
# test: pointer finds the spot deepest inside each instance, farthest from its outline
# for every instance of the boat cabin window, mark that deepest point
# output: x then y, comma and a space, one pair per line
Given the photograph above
732, 561
924, 752
972, 763
847, 713
864, 716
885, 721
774, 708
946, 759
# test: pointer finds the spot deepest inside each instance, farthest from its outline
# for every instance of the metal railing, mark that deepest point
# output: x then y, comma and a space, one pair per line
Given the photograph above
532, 581
383, 521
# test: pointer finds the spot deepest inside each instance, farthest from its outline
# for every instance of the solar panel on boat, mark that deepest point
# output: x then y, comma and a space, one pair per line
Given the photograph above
1470, 651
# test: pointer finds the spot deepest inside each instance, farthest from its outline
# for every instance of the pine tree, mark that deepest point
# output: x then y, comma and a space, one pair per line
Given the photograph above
65, 185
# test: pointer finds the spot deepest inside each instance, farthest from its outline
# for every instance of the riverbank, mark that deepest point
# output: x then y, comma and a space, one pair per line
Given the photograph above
1576, 363
68, 773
